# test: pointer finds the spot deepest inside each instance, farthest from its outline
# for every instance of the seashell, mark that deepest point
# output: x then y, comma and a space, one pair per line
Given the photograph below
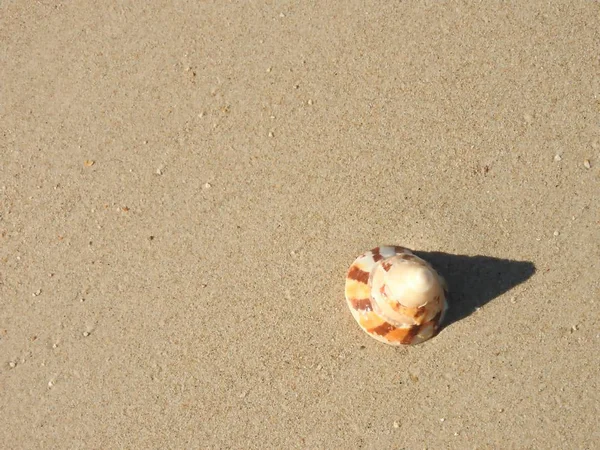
395, 296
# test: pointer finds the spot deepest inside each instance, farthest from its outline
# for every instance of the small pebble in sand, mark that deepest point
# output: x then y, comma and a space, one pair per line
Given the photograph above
396, 424
587, 164
269, 69
207, 186
271, 134
12, 364
50, 383
556, 233
574, 328
309, 102
159, 171
557, 157
54, 345
442, 419
38, 292
88, 163
86, 333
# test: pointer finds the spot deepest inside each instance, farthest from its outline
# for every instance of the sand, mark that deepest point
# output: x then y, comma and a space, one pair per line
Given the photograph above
183, 186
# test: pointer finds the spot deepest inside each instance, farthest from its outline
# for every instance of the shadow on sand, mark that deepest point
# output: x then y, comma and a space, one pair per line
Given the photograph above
473, 281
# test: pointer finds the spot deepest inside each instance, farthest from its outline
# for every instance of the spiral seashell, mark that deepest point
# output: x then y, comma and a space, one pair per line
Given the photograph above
395, 296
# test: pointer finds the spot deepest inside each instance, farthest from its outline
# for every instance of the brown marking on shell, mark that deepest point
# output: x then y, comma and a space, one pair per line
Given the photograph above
376, 254
410, 335
426, 332
399, 249
386, 266
417, 314
421, 310
382, 330
397, 335
407, 256
361, 304
356, 273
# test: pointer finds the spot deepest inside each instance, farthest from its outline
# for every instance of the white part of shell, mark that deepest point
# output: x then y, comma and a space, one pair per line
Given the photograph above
410, 284
400, 285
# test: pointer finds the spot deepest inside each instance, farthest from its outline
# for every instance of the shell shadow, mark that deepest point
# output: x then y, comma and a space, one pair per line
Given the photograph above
474, 281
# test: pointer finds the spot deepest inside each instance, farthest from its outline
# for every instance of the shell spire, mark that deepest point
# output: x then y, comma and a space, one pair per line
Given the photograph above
395, 296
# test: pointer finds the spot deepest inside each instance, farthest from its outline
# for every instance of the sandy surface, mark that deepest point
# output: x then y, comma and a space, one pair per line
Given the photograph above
183, 186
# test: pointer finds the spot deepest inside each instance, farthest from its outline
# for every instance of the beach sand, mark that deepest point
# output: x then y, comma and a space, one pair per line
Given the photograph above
183, 186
